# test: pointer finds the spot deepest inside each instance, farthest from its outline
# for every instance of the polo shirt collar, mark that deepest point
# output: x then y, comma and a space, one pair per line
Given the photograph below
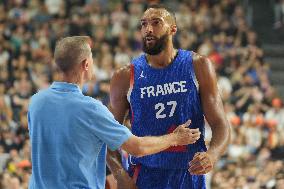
65, 87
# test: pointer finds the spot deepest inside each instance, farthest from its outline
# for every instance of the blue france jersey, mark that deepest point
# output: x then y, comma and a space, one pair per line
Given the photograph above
162, 99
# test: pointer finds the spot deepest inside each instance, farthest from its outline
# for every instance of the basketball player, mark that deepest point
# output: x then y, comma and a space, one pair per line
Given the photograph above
162, 89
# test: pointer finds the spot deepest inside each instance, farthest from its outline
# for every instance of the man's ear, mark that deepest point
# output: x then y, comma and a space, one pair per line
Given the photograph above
173, 29
85, 65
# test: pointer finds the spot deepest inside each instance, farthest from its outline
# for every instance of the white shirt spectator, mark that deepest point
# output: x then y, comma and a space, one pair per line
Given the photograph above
225, 87
277, 115
4, 56
53, 6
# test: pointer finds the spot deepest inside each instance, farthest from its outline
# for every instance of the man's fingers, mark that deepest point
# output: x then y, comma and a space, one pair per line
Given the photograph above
196, 154
195, 130
187, 123
193, 139
195, 135
202, 163
201, 171
199, 167
196, 158
182, 128
195, 167
196, 171
198, 161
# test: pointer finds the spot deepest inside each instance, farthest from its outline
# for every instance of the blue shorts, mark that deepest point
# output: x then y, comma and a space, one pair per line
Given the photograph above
157, 178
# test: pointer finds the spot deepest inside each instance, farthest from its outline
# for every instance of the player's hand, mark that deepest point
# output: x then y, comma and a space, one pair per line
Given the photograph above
124, 181
202, 163
185, 135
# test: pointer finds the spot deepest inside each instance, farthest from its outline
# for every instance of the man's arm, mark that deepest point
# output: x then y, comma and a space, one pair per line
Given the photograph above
142, 146
119, 105
214, 114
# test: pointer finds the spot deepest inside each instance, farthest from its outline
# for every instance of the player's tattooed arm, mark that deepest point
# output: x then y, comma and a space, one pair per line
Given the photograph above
119, 106
203, 162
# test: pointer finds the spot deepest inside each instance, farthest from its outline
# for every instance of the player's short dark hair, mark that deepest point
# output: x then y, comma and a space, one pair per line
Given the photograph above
70, 51
162, 6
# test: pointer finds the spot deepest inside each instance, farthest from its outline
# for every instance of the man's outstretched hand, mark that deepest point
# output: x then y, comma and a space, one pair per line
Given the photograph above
184, 135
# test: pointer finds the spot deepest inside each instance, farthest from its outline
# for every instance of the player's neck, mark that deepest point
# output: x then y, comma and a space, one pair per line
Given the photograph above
162, 59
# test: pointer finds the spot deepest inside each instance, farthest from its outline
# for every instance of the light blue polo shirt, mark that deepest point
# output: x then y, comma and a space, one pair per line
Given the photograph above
69, 135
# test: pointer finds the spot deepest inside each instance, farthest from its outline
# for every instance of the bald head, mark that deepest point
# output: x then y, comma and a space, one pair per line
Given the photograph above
71, 51
162, 12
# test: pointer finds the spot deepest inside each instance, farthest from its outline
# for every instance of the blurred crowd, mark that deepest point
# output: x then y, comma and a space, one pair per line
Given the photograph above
216, 28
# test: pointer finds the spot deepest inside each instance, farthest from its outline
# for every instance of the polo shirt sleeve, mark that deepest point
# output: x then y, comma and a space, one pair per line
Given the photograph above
107, 129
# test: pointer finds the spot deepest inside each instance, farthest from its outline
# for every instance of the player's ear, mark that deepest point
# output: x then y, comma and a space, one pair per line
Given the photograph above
173, 29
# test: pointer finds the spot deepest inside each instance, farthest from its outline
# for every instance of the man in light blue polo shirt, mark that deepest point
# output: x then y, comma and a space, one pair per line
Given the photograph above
70, 132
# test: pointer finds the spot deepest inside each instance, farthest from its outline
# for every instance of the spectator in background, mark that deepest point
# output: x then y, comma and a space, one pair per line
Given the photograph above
275, 118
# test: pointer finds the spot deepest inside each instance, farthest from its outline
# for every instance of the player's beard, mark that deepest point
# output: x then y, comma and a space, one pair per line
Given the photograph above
157, 47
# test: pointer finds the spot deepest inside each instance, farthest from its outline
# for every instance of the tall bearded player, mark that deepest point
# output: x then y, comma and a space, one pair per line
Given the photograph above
161, 89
